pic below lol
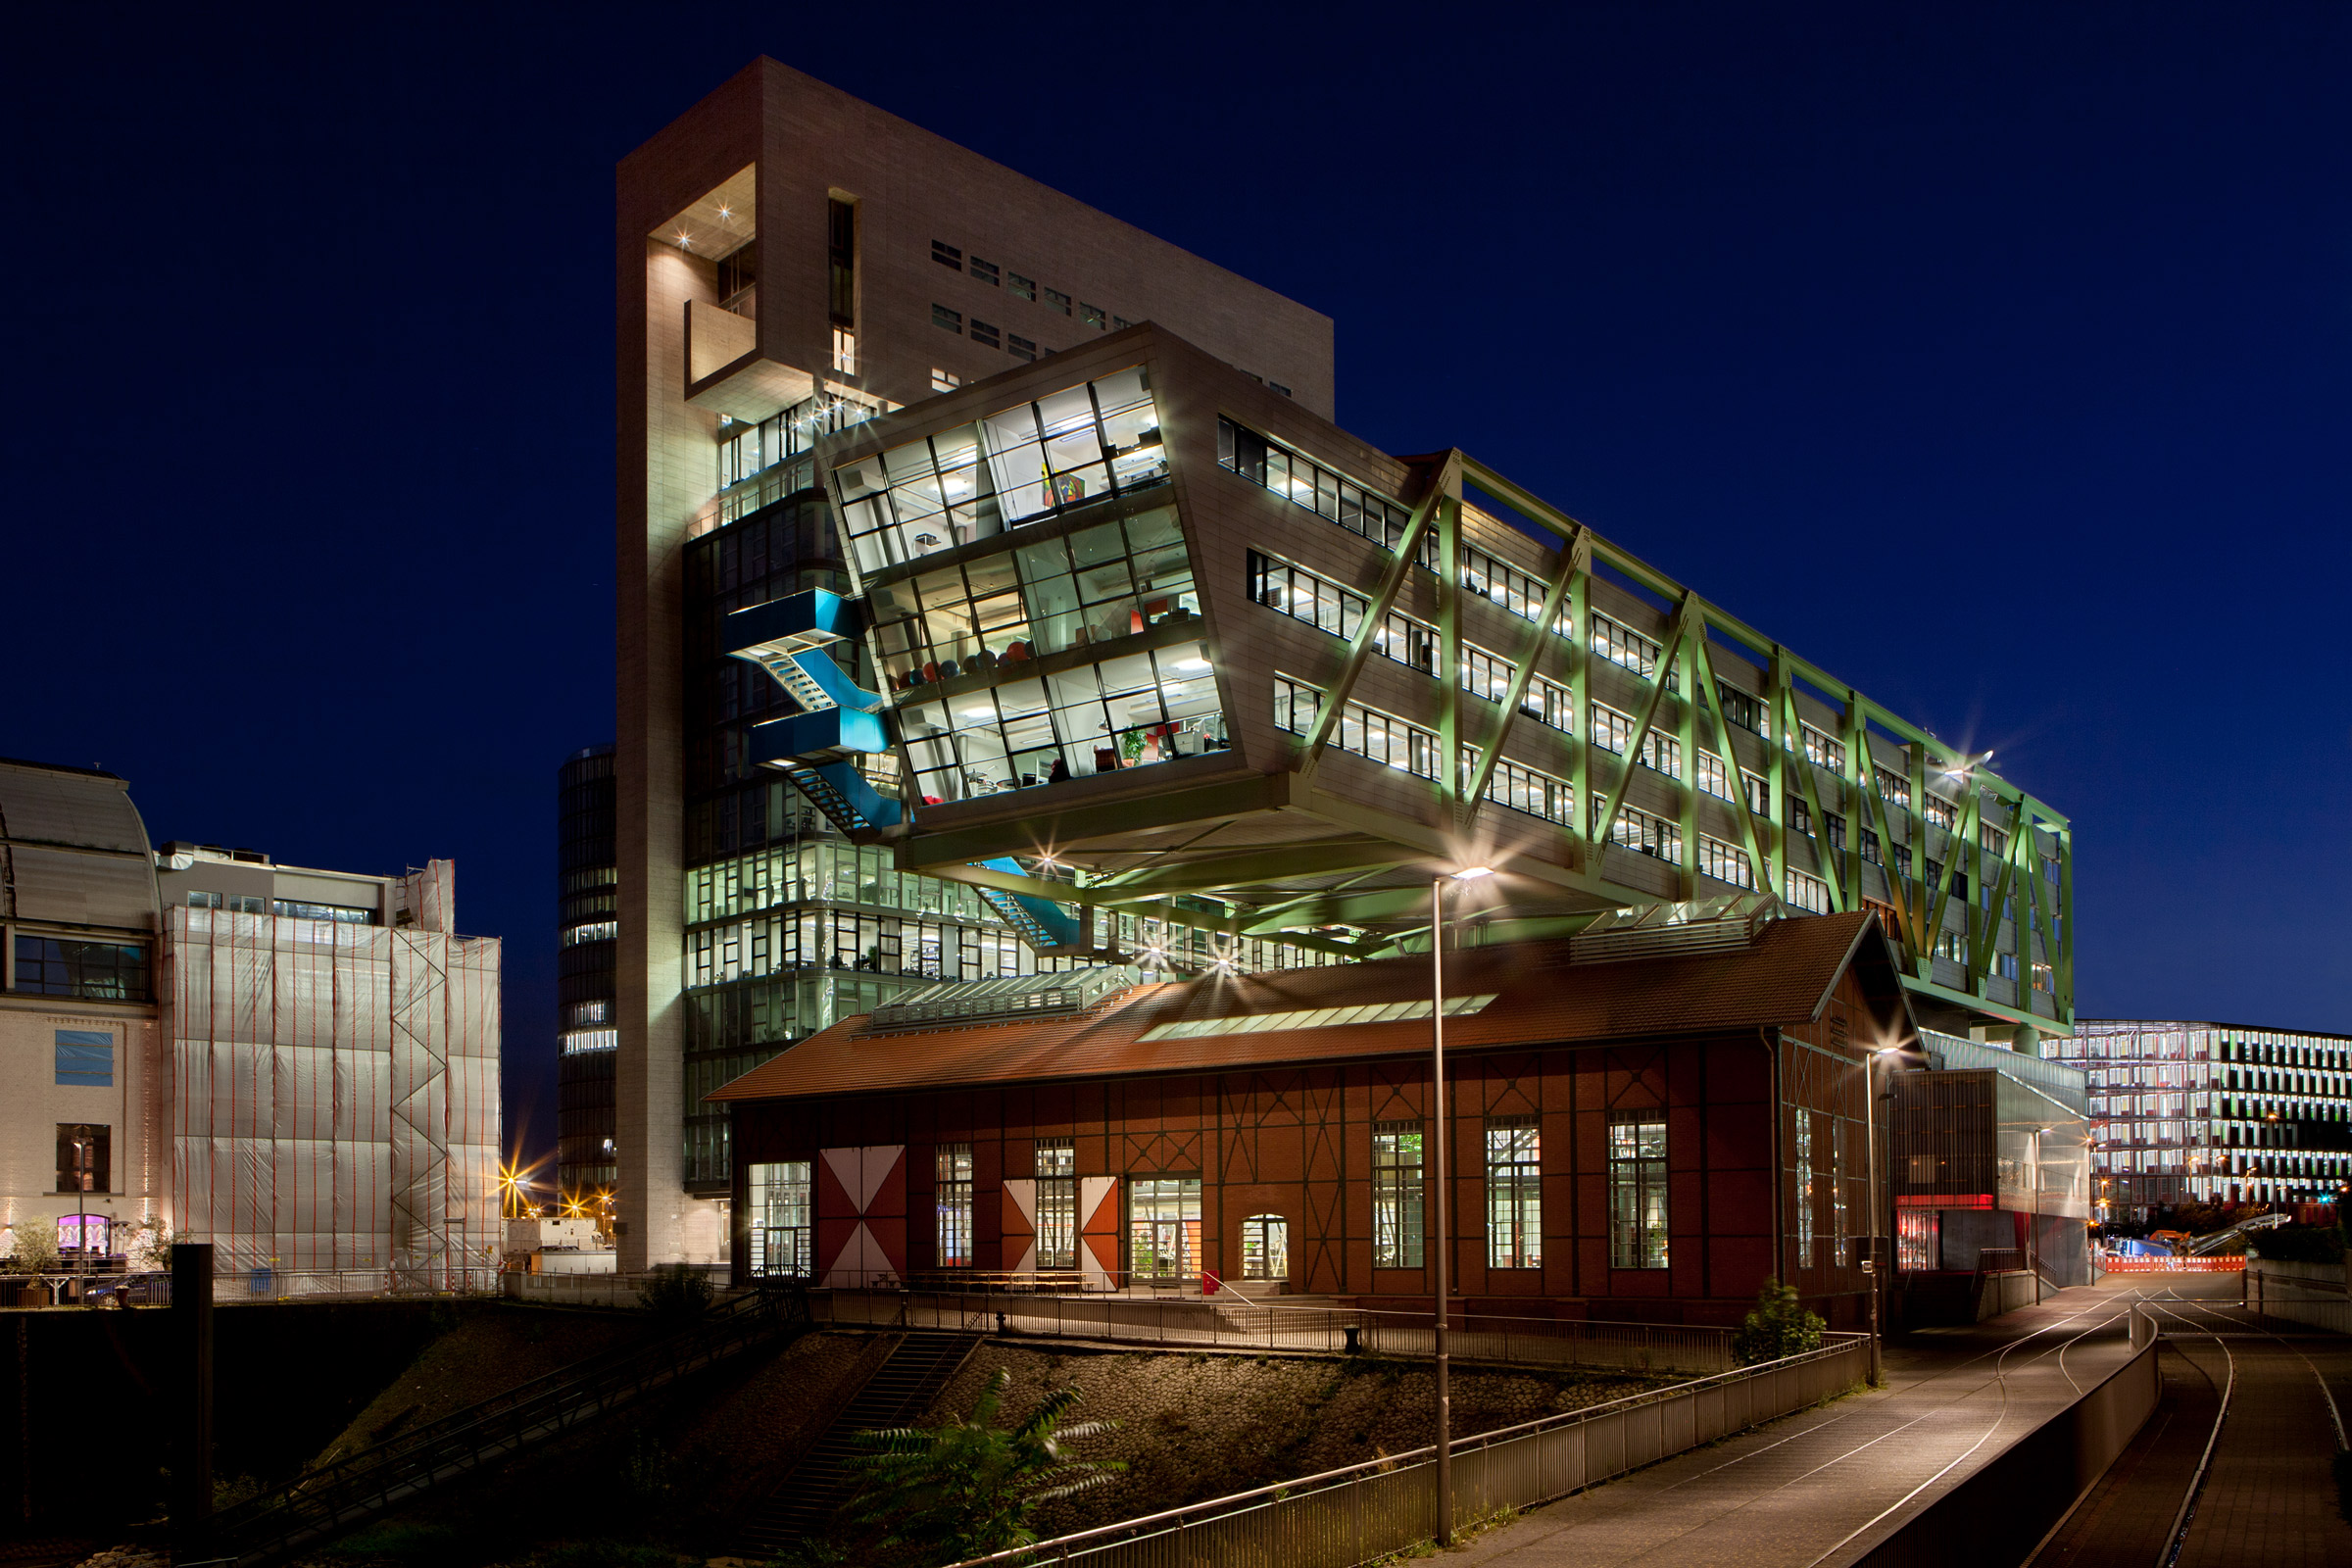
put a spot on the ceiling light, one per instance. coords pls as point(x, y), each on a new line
point(1471, 873)
point(726, 212)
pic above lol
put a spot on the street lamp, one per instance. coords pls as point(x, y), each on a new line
point(1870, 1148)
point(1437, 1037)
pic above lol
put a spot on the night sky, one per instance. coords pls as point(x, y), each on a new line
point(1994, 359)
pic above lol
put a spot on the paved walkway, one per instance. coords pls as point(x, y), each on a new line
point(2270, 1495)
point(1812, 1488)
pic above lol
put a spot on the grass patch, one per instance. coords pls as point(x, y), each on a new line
point(399, 1538)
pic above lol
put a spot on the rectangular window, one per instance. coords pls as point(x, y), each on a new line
point(1952, 944)
point(1368, 732)
point(1740, 708)
point(1805, 1230)
point(984, 333)
point(1713, 778)
point(1638, 1193)
point(1524, 789)
point(951, 1166)
point(83, 1158)
point(1328, 607)
point(1808, 892)
point(1622, 645)
point(1021, 289)
point(1055, 300)
point(341, 914)
point(1894, 787)
point(944, 253)
point(1644, 833)
point(1823, 752)
point(1277, 386)
point(1094, 315)
point(945, 380)
point(783, 1237)
point(1724, 862)
point(1056, 1203)
point(85, 1059)
point(1514, 1193)
point(1397, 1191)
point(103, 972)
point(985, 271)
point(1019, 347)
point(1120, 323)
point(1942, 812)
point(1318, 489)
point(841, 262)
point(941, 316)
point(1499, 582)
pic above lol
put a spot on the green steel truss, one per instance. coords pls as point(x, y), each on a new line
point(1365, 892)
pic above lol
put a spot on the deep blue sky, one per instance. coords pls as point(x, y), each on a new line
point(1994, 357)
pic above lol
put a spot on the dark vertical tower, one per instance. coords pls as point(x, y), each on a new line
point(586, 893)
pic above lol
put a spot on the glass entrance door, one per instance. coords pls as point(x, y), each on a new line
point(1163, 1227)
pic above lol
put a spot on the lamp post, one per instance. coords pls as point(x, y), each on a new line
point(1437, 1079)
point(1875, 1266)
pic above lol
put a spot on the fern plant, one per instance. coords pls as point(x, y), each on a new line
point(970, 1487)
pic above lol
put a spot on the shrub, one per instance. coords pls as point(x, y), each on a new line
point(678, 1294)
point(1777, 1326)
point(35, 1250)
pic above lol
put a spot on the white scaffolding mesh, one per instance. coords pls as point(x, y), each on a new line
point(335, 1094)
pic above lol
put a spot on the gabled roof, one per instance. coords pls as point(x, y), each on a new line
point(1784, 977)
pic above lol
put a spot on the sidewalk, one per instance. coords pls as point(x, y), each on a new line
point(1820, 1486)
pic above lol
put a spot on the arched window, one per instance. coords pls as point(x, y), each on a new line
point(1265, 1248)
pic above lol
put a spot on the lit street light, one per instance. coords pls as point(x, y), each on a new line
point(1436, 1035)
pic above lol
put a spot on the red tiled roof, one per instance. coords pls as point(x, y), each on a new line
point(1785, 976)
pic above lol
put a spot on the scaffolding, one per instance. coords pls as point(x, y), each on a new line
point(334, 1093)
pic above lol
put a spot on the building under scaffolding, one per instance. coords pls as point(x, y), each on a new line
point(332, 1080)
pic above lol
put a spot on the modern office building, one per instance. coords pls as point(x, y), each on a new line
point(792, 260)
point(2202, 1113)
point(986, 538)
point(299, 1066)
point(1640, 1125)
point(587, 903)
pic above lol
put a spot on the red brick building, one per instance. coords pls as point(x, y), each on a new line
point(1643, 1125)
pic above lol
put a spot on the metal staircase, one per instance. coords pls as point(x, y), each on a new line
point(331, 1501)
point(901, 1389)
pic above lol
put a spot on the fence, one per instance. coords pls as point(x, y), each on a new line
point(2310, 1294)
point(2173, 1265)
point(1341, 1518)
point(1248, 1326)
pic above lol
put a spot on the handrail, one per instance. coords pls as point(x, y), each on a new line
point(1326, 1480)
point(378, 1476)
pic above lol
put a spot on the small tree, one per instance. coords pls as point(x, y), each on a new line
point(678, 1294)
point(146, 1245)
point(35, 1250)
point(1777, 1326)
point(968, 1488)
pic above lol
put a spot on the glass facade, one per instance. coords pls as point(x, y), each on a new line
point(1163, 1227)
point(782, 1220)
point(1053, 636)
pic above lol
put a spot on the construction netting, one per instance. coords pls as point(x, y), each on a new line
point(334, 1090)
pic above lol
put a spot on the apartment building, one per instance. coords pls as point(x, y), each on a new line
point(792, 262)
point(2203, 1112)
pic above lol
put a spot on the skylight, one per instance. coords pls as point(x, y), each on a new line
point(1260, 1024)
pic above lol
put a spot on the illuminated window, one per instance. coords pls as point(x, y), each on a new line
point(1823, 752)
point(1318, 489)
point(782, 1220)
point(945, 380)
point(1637, 1192)
point(1741, 709)
point(1514, 1193)
point(1397, 1190)
point(1328, 607)
point(1808, 892)
point(1726, 863)
point(1804, 1189)
point(1524, 789)
point(84, 1162)
point(1266, 1247)
point(1499, 582)
point(1056, 1203)
point(1622, 645)
point(1638, 831)
point(952, 1169)
point(845, 350)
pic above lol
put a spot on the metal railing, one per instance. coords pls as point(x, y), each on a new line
point(1344, 1517)
point(335, 1497)
point(2173, 1265)
point(243, 1286)
point(1242, 1325)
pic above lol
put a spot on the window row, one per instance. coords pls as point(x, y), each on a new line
point(985, 333)
point(1309, 484)
point(846, 941)
point(998, 612)
point(1131, 711)
point(1013, 283)
point(1327, 607)
point(1077, 446)
point(1546, 700)
point(826, 871)
point(1163, 1212)
point(1611, 731)
point(63, 966)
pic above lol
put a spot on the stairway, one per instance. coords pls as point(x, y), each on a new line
point(900, 1390)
